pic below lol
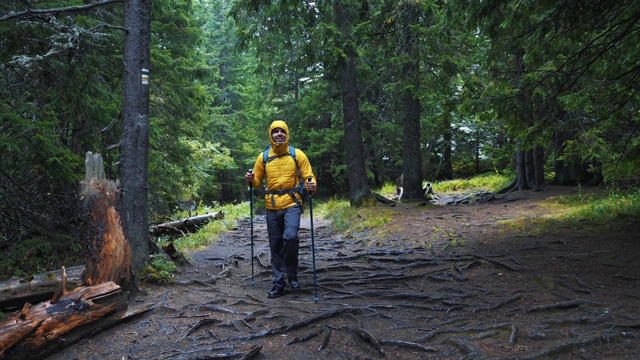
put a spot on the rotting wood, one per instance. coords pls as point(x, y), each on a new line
point(183, 226)
point(108, 252)
point(49, 325)
point(34, 289)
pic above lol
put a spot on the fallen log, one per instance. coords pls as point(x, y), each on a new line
point(184, 226)
point(34, 289)
point(43, 328)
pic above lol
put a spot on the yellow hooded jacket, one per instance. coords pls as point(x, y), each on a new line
point(281, 172)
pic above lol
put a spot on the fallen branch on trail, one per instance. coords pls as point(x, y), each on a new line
point(41, 287)
point(561, 305)
point(40, 329)
point(184, 226)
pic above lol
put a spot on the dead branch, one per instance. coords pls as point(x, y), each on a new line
point(67, 9)
point(408, 344)
point(513, 338)
point(179, 227)
point(467, 329)
point(198, 325)
point(562, 305)
point(500, 263)
point(303, 338)
point(500, 304)
point(284, 328)
point(367, 337)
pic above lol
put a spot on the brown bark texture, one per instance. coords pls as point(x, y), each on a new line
point(108, 253)
point(45, 327)
point(37, 288)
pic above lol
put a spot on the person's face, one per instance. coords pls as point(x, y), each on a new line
point(279, 136)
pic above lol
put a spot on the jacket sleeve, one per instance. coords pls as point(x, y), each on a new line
point(305, 168)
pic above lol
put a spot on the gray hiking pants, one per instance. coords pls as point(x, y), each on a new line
point(282, 227)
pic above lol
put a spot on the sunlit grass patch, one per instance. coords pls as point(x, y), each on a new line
point(490, 182)
point(604, 209)
point(347, 220)
point(210, 232)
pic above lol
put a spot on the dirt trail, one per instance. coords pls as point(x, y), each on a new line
point(437, 283)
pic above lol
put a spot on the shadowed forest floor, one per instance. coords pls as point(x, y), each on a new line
point(437, 282)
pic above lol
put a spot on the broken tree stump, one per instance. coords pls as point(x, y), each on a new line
point(108, 252)
point(43, 328)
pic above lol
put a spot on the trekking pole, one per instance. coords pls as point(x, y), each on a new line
point(313, 247)
point(251, 217)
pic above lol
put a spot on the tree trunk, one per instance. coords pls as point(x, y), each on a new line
point(521, 170)
point(411, 168)
point(359, 191)
point(447, 157)
point(134, 144)
point(539, 168)
point(530, 169)
point(108, 253)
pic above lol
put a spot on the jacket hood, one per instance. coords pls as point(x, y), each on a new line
point(278, 148)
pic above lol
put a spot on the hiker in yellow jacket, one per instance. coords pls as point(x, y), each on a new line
point(287, 171)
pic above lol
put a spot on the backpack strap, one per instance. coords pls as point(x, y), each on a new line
point(299, 189)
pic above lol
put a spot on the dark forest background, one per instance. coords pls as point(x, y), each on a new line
point(371, 90)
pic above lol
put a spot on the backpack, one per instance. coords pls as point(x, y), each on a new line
point(300, 189)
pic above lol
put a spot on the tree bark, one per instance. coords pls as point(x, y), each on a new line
point(43, 328)
point(411, 166)
point(359, 192)
point(108, 253)
point(135, 130)
point(538, 156)
point(38, 288)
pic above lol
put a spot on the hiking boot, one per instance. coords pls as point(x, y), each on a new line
point(277, 291)
point(295, 285)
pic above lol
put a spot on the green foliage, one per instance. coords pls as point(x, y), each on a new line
point(490, 182)
point(608, 208)
point(347, 219)
point(211, 231)
point(37, 255)
point(159, 271)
